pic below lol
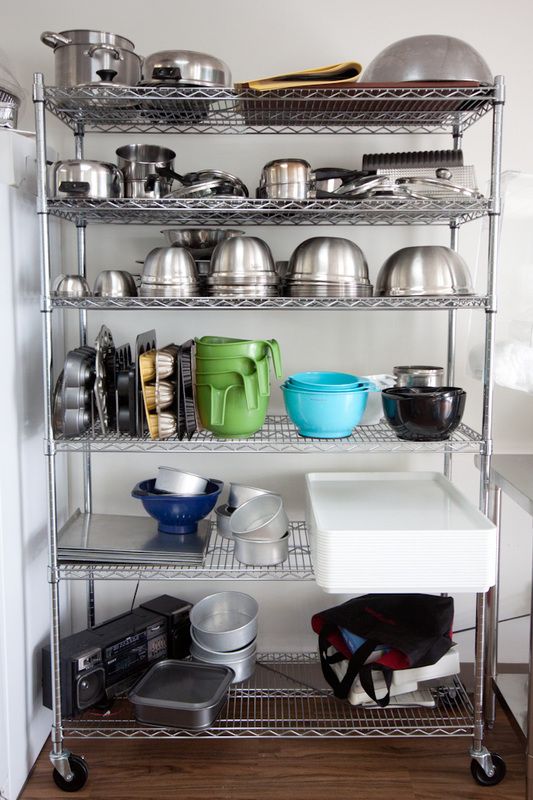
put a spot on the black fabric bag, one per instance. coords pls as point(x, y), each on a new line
point(417, 629)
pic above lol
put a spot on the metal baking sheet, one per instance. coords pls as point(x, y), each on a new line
point(134, 540)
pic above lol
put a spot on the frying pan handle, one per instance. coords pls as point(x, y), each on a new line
point(276, 357)
point(166, 172)
point(326, 173)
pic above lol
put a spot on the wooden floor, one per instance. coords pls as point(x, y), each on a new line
point(244, 769)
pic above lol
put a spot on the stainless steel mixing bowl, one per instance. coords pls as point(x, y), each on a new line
point(168, 266)
point(431, 57)
point(328, 259)
point(430, 270)
point(115, 283)
point(242, 260)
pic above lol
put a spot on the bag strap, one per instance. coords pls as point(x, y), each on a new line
point(341, 688)
point(367, 682)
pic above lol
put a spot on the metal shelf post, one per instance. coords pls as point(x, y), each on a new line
point(59, 755)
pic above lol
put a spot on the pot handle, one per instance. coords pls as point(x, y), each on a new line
point(276, 357)
point(166, 73)
point(166, 172)
point(108, 48)
point(52, 40)
point(74, 187)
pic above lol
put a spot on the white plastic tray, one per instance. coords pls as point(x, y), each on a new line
point(397, 532)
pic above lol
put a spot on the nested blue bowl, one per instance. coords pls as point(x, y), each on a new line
point(177, 513)
point(325, 381)
point(324, 415)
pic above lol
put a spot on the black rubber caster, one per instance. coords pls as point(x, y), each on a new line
point(481, 777)
point(80, 774)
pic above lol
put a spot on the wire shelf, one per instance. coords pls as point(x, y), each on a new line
point(278, 435)
point(287, 697)
point(220, 563)
point(271, 303)
point(250, 211)
point(155, 109)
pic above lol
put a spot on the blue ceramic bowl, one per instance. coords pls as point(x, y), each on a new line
point(177, 513)
point(324, 415)
point(325, 381)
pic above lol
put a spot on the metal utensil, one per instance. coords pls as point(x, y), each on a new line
point(187, 68)
point(239, 494)
point(73, 286)
point(424, 270)
point(115, 283)
point(141, 165)
point(418, 376)
point(241, 661)
point(225, 621)
point(430, 57)
point(223, 514)
point(168, 266)
point(181, 694)
point(200, 241)
point(242, 260)
point(328, 259)
point(82, 178)
point(261, 518)
point(80, 54)
point(261, 554)
point(176, 481)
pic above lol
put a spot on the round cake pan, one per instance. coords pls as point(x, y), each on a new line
point(239, 494)
point(223, 515)
point(241, 661)
point(177, 482)
point(261, 554)
point(225, 621)
point(262, 519)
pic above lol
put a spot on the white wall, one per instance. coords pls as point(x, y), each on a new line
point(259, 40)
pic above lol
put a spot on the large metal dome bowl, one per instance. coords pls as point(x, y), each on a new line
point(431, 57)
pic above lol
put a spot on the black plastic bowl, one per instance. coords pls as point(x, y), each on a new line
point(424, 413)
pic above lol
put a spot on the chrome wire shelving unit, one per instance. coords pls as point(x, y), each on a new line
point(219, 562)
point(247, 211)
point(278, 435)
point(151, 109)
point(272, 303)
point(287, 695)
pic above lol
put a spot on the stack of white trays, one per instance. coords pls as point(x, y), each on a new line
point(397, 532)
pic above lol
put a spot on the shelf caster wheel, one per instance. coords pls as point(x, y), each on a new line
point(481, 777)
point(80, 773)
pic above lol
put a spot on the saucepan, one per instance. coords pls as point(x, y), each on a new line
point(294, 179)
point(82, 178)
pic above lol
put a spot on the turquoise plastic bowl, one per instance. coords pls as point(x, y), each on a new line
point(325, 381)
point(324, 415)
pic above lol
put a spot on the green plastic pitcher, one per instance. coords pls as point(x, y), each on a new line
point(244, 366)
point(221, 347)
point(225, 412)
point(220, 381)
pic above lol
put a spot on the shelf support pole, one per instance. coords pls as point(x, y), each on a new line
point(81, 231)
point(491, 653)
point(59, 755)
point(452, 314)
point(482, 622)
